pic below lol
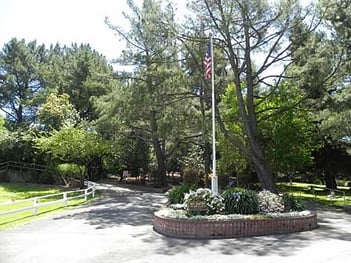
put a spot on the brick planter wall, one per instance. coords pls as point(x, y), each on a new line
point(188, 228)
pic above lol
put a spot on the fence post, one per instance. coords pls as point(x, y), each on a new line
point(94, 186)
point(86, 195)
point(35, 206)
point(65, 199)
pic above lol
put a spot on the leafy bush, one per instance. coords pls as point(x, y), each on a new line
point(190, 176)
point(240, 201)
point(292, 203)
point(247, 179)
point(270, 202)
point(214, 203)
point(176, 194)
point(42, 178)
point(223, 180)
point(69, 171)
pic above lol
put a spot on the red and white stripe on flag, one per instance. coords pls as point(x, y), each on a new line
point(208, 62)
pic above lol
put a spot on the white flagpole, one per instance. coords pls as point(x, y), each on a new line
point(214, 180)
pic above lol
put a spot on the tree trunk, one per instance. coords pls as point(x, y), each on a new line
point(260, 163)
point(249, 117)
point(160, 158)
point(160, 155)
point(264, 174)
point(330, 181)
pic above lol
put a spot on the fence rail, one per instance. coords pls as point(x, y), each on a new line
point(333, 194)
point(36, 204)
point(22, 166)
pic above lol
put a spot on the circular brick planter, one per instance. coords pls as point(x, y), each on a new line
point(190, 228)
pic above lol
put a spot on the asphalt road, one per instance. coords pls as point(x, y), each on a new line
point(118, 228)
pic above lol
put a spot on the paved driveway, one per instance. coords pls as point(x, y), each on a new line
point(118, 228)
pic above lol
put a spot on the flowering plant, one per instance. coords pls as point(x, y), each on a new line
point(269, 202)
point(213, 204)
point(181, 214)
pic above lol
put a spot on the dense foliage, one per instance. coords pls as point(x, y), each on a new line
point(176, 194)
point(201, 201)
point(269, 202)
point(282, 77)
point(213, 204)
point(292, 203)
point(240, 201)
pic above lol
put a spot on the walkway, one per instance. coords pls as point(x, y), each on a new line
point(118, 228)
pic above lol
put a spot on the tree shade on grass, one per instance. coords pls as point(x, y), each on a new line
point(318, 193)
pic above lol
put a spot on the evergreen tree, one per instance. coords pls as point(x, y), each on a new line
point(80, 72)
point(154, 102)
point(243, 31)
point(20, 81)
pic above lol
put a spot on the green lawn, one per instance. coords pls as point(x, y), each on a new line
point(318, 193)
point(13, 193)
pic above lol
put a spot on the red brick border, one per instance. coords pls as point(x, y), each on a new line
point(190, 228)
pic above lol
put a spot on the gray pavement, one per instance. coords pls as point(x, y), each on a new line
point(118, 228)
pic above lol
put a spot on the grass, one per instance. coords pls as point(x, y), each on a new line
point(318, 193)
point(13, 193)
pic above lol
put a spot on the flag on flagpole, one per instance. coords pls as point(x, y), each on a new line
point(208, 62)
point(209, 74)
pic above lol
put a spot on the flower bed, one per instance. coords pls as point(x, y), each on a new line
point(236, 212)
point(171, 223)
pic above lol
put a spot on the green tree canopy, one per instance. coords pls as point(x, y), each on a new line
point(72, 145)
point(57, 111)
point(20, 81)
point(80, 72)
point(243, 31)
point(155, 103)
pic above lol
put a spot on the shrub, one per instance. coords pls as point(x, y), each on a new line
point(69, 171)
point(292, 203)
point(42, 177)
point(223, 180)
point(247, 180)
point(214, 203)
point(240, 201)
point(190, 176)
point(176, 194)
point(269, 202)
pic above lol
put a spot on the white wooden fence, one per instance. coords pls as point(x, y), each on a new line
point(36, 204)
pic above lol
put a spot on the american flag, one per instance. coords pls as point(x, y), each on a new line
point(208, 62)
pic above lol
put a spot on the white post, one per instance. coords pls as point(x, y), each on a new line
point(94, 186)
point(35, 206)
point(65, 199)
point(86, 195)
point(214, 180)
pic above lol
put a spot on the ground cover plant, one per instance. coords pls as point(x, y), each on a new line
point(12, 193)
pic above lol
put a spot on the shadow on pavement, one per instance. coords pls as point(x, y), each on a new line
point(332, 225)
point(116, 208)
point(120, 207)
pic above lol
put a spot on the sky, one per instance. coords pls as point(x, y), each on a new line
point(64, 22)
point(68, 21)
